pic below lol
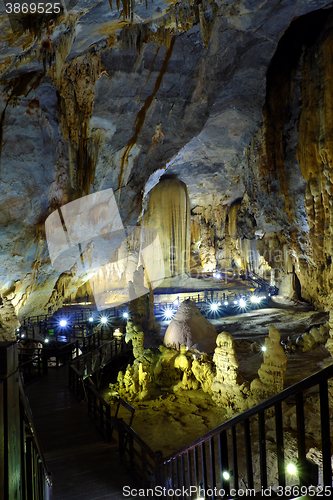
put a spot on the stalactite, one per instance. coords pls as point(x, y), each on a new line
point(77, 106)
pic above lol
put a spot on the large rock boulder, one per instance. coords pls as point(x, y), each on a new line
point(188, 327)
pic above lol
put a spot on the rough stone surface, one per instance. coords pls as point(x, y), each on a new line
point(189, 328)
point(217, 94)
point(229, 390)
point(272, 370)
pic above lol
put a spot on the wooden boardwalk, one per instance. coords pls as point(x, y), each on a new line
point(83, 465)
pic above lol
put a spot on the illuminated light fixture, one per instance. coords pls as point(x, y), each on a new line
point(219, 303)
point(104, 320)
point(218, 276)
point(264, 348)
point(264, 297)
point(168, 313)
point(235, 301)
point(226, 303)
point(214, 306)
point(46, 341)
point(22, 335)
point(255, 299)
point(226, 475)
point(242, 303)
point(17, 329)
point(91, 319)
point(125, 315)
point(291, 469)
point(63, 323)
point(117, 332)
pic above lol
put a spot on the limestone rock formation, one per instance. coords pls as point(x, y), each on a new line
point(227, 387)
point(168, 213)
point(189, 328)
point(135, 335)
point(272, 370)
point(329, 343)
point(313, 338)
point(94, 98)
point(204, 372)
point(8, 320)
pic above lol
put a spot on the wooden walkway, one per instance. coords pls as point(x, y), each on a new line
point(83, 465)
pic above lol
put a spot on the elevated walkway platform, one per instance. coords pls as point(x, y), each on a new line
point(83, 465)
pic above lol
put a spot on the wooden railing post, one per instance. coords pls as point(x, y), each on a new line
point(10, 444)
point(121, 438)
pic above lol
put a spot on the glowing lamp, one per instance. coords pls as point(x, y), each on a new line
point(168, 313)
point(226, 475)
point(125, 315)
point(291, 469)
point(226, 303)
point(104, 320)
point(235, 301)
point(264, 348)
point(218, 276)
point(63, 323)
point(22, 335)
point(91, 319)
point(242, 303)
point(17, 329)
point(46, 341)
point(214, 306)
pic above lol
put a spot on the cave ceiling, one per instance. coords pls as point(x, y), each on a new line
point(117, 94)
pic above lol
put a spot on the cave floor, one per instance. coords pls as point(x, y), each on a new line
point(187, 415)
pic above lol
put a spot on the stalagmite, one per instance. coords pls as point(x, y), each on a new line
point(188, 327)
point(169, 214)
point(273, 369)
point(227, 387)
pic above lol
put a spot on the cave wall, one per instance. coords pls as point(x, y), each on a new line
point(103, 98)
point(287, 180)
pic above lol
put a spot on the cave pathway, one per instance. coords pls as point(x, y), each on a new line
point(83, 465)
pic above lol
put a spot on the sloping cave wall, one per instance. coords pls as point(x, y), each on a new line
point(104, 99)
point(288, 180)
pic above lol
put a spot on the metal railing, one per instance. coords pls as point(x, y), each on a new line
point(36, 483)
point(144, 463)
point(33, 362)
point(100, 411)
point(231, 447)
point(92, 361)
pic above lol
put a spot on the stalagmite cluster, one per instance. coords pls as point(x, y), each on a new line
point(273, 369)
point(227, 387)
